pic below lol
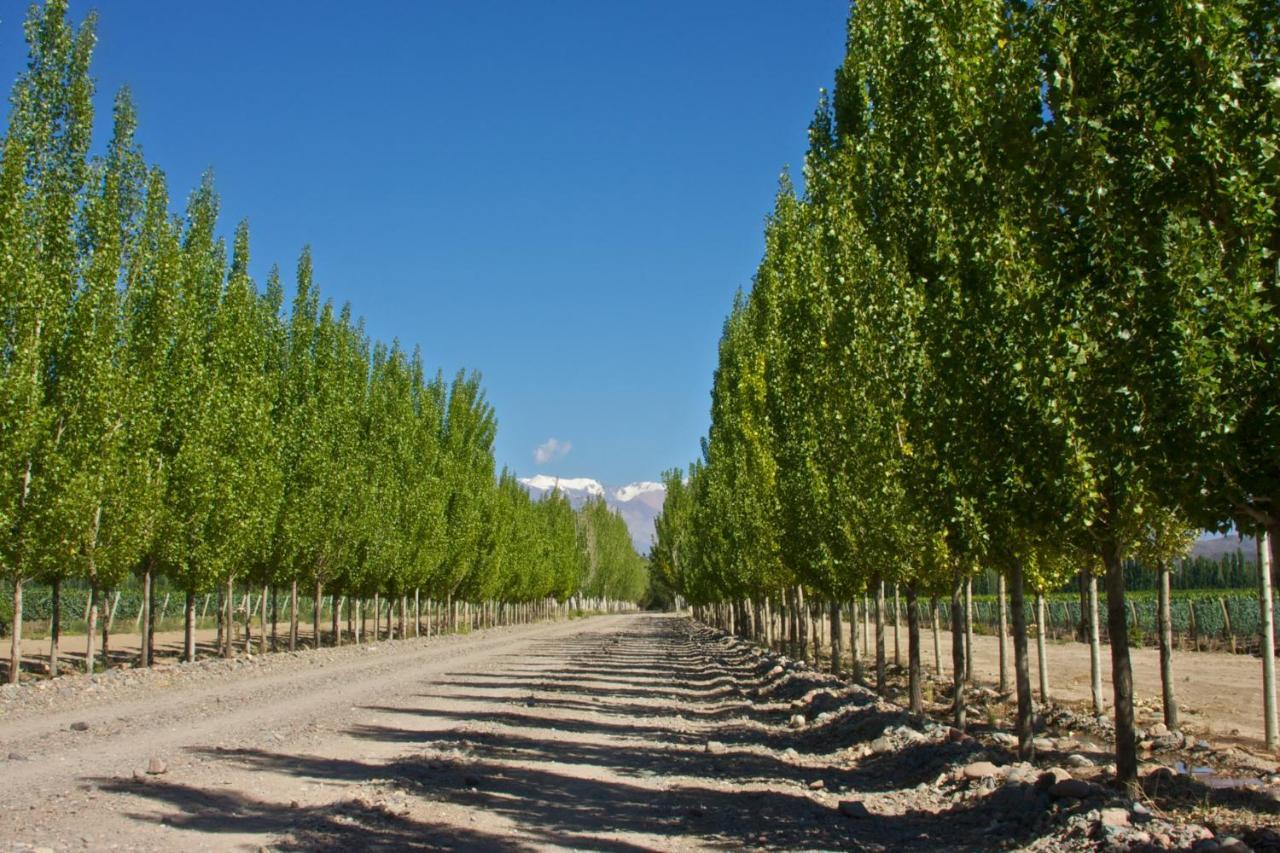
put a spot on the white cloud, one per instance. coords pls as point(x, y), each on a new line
point(552, 448)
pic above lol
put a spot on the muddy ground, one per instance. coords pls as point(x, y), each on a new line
point(621, 733)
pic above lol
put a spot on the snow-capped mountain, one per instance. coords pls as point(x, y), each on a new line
point(637, 503)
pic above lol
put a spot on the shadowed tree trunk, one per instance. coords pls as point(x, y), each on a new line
point(15, 636)
point(880, 650)
point(1003, 627)
point(913, 652)
point(937, 635)
point(91, 629)
point(55, 627)
point(293, 616)
point(144, 645)
point(1166, 648)
point(1040, 659)
point(1021, 666)
point(958, 675)
point(1121, 668)
point(837, 642)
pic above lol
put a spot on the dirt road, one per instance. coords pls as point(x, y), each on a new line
point(613, 733)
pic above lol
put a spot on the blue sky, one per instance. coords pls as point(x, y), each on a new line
point(562, 195)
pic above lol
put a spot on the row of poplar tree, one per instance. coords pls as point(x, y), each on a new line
point(159, 415)
point(1024, 316)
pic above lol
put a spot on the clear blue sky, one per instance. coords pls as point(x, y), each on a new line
point(562, 195)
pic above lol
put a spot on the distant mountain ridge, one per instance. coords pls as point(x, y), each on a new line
point(638, 503)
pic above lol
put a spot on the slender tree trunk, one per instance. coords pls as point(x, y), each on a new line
point(968, 629)
point(15, 639)
point(1121, 669)
point(1166, 648)
point(897, 620)
point(91, 629)
point(1095, 645)
point(837, 642)
point(957, 650)
point(1266, 556)
point(107, 618)
point(404, 605)
point(293, 616)
point(335, 621)
point(1021, 666)
point(316, 604)
point(229, 618)
point(377, 617)
point(189, 628)
point(55, 629)
point(1003, 627)
point(881, 684)
point(914, 689)
point(151, 620)
point(144, 648)
point(262, 622)
point(937, 635)
point(853, 639)
point(803, 629)
point(417, 614)
point(1040, 659)
point(275, 614)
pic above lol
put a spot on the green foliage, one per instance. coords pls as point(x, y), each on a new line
point(159, 413)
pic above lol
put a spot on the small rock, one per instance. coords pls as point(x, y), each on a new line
point(157, 767)
point(1078, 760)
point(714, 747)
point(798, 721)
point(80, 727)
point(1231, 844)
point(1042, 744)
point(139, 776)
point(1114, 817)
point(293, 804)
point(817, 785)
point(1077, 788)
point(18, 756)
point(775, 672)
point(1005, 739)
point(982, 770)
point(881, 745)
point(853, 809)
point(1158, 730)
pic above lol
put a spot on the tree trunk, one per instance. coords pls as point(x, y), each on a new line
point(317, 604)
point(897, 620)
point(15, 639)
point(417, 614)
point(262, 622)
point(1266, 555)
point(335, 620)
point(1043, 665)
point(803, 629)
point(881, 686)
point(837, 642)
point(1095, 645)
point(275, 614)
point(1021, 666)
point(107, 618)
point(151, 619)
point(914, 690)
point(229, 618)
point(1166, 647)
point(1121, 669)
point(293, 616)
point(937, 634)
point(377, 617)
point(189, 628)
point(144, 648)
point(91, 629)
point(55, 628)
point(853, 639)
point(968, 629)
point(958, 675)
point(1003, 627)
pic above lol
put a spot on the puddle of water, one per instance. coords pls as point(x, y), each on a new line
point(1207, 777)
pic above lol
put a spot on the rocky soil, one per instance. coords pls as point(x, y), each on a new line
point(614, 733)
